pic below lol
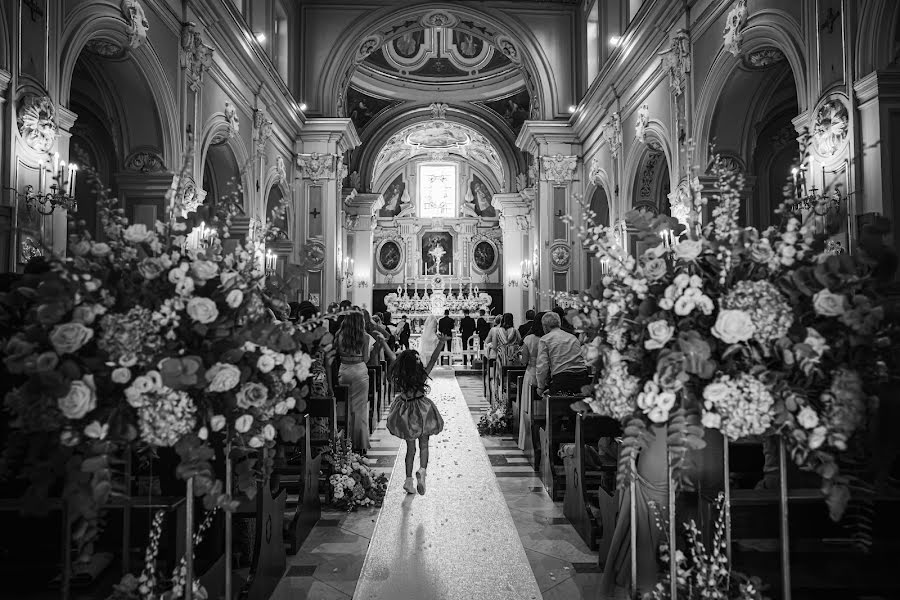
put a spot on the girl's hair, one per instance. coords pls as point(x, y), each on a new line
point(351, 337)
point(537, 328)
point(497, 320)
point(408, 374)
point(507, 321)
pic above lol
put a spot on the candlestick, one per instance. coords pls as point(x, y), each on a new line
point(55, 162)
point(41, 177)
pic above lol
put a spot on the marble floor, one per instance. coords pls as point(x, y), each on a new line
point(329, 563)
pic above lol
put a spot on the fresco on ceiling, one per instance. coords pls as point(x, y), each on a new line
point(393, 197)
point(362, 108)
point(482, 197)
point(514, 110)
point(408, 44)
point(469, 46)
point(438, 137)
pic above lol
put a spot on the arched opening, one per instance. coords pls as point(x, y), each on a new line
point(652, 184)
point(753, 127)
point(222, 178)
point(599, 210)
point(276, 212)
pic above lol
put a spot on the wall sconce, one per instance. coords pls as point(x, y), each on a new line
point(527, 273)
point(513, 283)
point(346, 273)
point(62, 190)
point(362, 283)
point(271, 263)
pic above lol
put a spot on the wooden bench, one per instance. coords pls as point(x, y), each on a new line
point(534, 418)
point(342, 409)
point(299, 477)
point(509, 374)
point(558, 428)
point(590, 502)
point(373, 398)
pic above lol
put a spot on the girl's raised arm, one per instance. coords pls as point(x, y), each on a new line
point(442, 342)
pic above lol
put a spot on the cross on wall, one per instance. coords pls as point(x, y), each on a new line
point(315, 213)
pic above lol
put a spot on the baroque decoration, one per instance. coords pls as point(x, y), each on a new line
point(195, 56)
point(280, 170)
point(104, 48)
point(612, 133)
point(231, 117)
point(560, 255)
point(316, 166)
point(764, 58)
point(438, 110)
point(643, 121)
point(559, 168)
point(36, 120)
point(681, 200)
point(677, 61)
point(830, 127)
point(315, 254)
point(734, 25)
point(145, 162)
point(137, 22)
point(263, 127)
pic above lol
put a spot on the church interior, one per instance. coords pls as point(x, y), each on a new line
point(227, 224)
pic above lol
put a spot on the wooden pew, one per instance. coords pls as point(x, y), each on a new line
point(534, 419)
point(558, 428)
point(342, 408)
point(590, 501)
point(373, 398)
point(509, 374)
point(299, 477)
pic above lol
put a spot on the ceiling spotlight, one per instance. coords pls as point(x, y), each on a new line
point(260, 37)
point(303, 106)
point(572, 108)
point(614, 41)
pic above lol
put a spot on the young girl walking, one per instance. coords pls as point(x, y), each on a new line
point(413, 416)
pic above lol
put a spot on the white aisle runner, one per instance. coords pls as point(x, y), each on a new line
point(458, 541)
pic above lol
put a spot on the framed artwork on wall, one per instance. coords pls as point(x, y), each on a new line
point(437, 253)
point(389, 256)
point(393, 197)
point(485, 256)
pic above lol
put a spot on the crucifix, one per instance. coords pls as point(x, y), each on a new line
point(827, 24)
point(315, 213)
point(36, 11)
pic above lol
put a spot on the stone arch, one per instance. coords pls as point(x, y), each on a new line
point(4, 42)
point(876, 32)
point(657, 141)
point(341, 65)
point(276, 180)
point(767, 27)
point(89, 21)
point(215, 146)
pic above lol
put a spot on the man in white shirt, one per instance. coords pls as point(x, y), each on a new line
point(560, 364)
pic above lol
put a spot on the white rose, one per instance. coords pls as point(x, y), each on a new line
point(666, 304)
point(268, 432)
point(202, 310)
point(660, 333)
point(204, 270)
point(716, 392)
point(828, 304)
point(281, 408)
point(688, 250)
point(176, 275)
point(815, 341)
point(711, 420)
point(137, 233)
point(807, 418)
point(291, 402)
point(185, 287)
point(665, 400)
point(222, 377)
point(95, 430)
point(243, 423)
point(134, 397)
point(256, 442)
point(817, 437)
point(658, 414)
point(203, 433)
point(265, 363)
point(234, 298)
point(121, 375)
point(733, 326)
point(70, 337)
point(142, 384)
point(80, 399)
point(100, 249)
point(684, 306)
point(217, 423)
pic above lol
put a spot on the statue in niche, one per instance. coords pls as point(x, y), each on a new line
point(483, 200)
point(393, 198)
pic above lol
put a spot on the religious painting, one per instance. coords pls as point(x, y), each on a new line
point(469, 45)
point(514, 110)
point(484, 256)
point(362, 108)
point(437, 253)
point(408, 44)
point(390, 256)
point(393, 197)
point(482, 198)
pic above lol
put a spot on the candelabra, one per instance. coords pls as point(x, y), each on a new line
point(527, 274)
point(271, 263)
point(61, 193)
point(824, 209)
point(346, 274)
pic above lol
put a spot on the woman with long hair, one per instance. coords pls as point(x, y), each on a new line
point(353, 346)
point(529, 359)
point(506, 338)
point(428, 341)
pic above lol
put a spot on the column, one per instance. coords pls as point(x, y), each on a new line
point(556, 149)
point(322, 145)
point(515, 222)
point(363, 208)
point(466, 229)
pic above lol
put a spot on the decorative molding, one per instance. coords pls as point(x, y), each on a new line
point(643, 121)
point(612, 133)
point(316, 167)
point(355, 181)
point(263, 127)
point(735, 22)
point(680, 200)
point(515, 223)
point(367, 47)
point(830, 127)
point(439, 18)
point(594, 173)
point(136, 21)
point(508, 48)
point(191, 197)
point(763, 58)
point(145, 162)
point(559, 168)
point(196, 57)
point(560, 255)
point(677, 61)
point(648, 176)
point(280, 170)
point(315, 254)
point(231, 117)
point(438, 110)
point(36, 119)
point(104, 48)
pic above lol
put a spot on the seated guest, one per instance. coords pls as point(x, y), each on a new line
point(525, 328)
point(529, 360)
point(560, 364)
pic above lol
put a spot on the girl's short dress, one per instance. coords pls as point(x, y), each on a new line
point(411, 418)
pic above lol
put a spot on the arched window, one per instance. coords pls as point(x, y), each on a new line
point(437, 190)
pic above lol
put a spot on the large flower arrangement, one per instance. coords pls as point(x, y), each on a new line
point(729, 328)
point(353, 482)
point(141, 340)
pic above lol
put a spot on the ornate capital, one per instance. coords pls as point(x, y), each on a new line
point(137, 23)
point(734, 27)
point(438, 110)
point(317, 166)
point(36, 119)
point(511, 223)
point(643, 120)
point(559, 168)
point(196, 57)
point(612, 133)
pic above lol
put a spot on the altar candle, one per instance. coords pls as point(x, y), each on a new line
point(74, 176)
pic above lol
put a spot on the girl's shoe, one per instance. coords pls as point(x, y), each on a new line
point(420, 481)
point(409, 486)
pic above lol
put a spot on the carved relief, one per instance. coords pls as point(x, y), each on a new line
point(367, 47)
point(136, 21)
point(560, 255)
point(594, 173)
point(104, 48)
point(830, 127)
point(439, 19)
point(36, 119)
point(764, 58)
point(648, 176)
point(559, 168)
point(196, 57)
point(231, 117)
point(438, 110)
point(643, 120)
point(677, 61)
point(144, 162)
point(191, 197)
point(680, 203)
point(280, 170)
point(316, 166)
point(507, 47)
point(355, 182)
point(263, 127)
point(612, 132)
point(315, 254)
point(734, 25)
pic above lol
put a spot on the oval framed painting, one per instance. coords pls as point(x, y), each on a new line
point(389, 255)
point(485, 255)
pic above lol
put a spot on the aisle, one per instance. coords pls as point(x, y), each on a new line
point(457, 541)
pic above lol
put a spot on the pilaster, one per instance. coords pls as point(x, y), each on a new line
point(362, 212)
point(516, 225)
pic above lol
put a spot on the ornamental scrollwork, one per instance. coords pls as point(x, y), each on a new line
point(280, 170)
point(36, 120)
point(137, 23)
point(196, 57)
point(559, 168)
point(677, 61)
point(263, 127)
point(232, 119)
point(144, 162)
point(643, 121)
point(612, 133)
point(560, 255)
point(734, 25)
point(830, 127)
point(594, 173)
point(316, 166)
